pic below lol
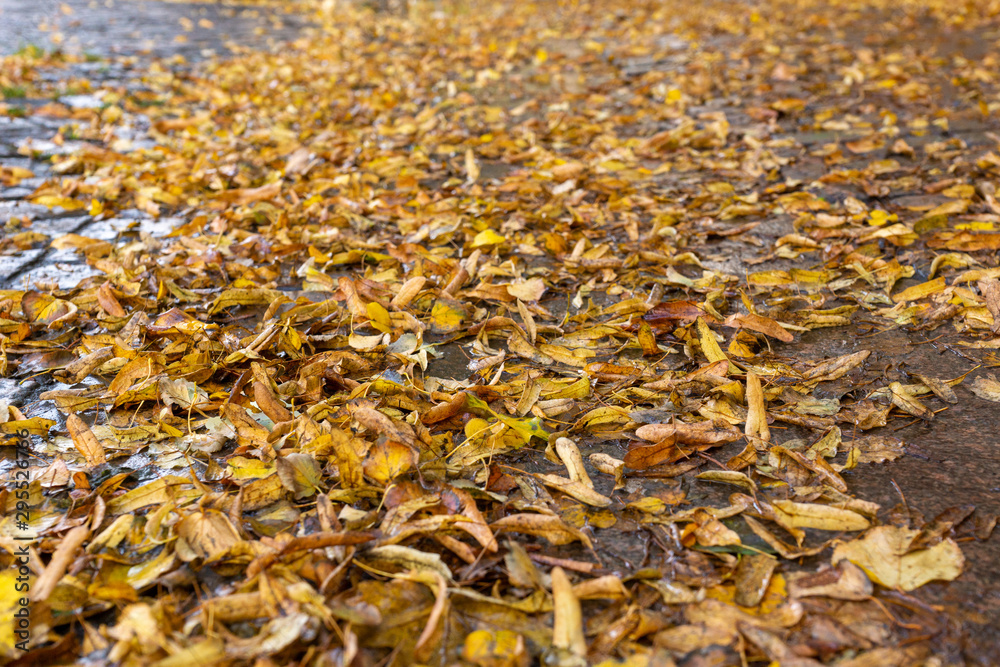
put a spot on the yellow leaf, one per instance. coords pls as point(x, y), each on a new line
point(878, 218)
point(85, 441)
point(756, 424)
point(244, 297)
point(487, 237)
point(898, 234)
point(920, 291)
point(499, 648)
point(884, 554)
point(567, 628)
point(552, 528)
point(157, 492)
point(300, 474)
point(35, 426)
point(525, 428)
point(709, 346)
point(987, 388)
point(47, 309)
point(387, 460)
point(772, 278)
point(446, 318)
point(575, 489)
point(647, 339)
point(953, 207)
point(471, 167)
point(240, 468)
point(379, 317)
point(820, 517)
point(10, 605)
point(648, 505)
point(209, 533)
point(529, 290)
point(52, 201)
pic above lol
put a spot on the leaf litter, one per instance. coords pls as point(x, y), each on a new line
point(610, 243)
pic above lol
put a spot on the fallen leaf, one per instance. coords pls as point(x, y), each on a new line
point(885, 556)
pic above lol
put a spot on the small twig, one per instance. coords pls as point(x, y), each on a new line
point(931, 340)
point(901, 496)
point(895, 621)
point(575, 565)
point(709, 458)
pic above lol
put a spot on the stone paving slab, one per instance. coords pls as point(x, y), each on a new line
point(106, 31)
point(129, 27)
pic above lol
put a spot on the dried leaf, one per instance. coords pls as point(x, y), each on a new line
point(85, 441)
point(884, 553)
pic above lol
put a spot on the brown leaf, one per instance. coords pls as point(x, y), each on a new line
point(209, 534)
point(836, 368)
point(548, 526)
point(444, 411)
point(475, 525)
point(775, 649)
point(83, 366)
point(85, 441)
point(697, 433)
point(902, 399)
point(241, 196)
point(380, 423)
point(761, 324)
point(249, 433)
point(675, 313)
point(269, 404)
point(63, 556)
point(939, 387)
point(641, 457)
point(107, 300)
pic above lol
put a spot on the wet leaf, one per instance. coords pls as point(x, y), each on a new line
point(885, 554)
point(567, 629)
point(499, 648)
point(987, 388)
point(752, 577)
point(820, 517)
point(550, 527)
point(404, 250)
point(85, 440)
point(300, 474)
point(47, 309)
point(387, 460)
point(209, 534)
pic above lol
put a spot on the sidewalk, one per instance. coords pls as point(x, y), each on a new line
point(409, 250)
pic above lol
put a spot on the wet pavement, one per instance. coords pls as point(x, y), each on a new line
point(949, 461)
point(112, 43)
point(104, 28)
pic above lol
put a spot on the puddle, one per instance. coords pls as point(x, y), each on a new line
point(97, 28)
point(63, 275)
point(43, 148)
point(83, 101)
point(140, 223)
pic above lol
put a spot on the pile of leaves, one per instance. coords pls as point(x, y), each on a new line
point(465, 309)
